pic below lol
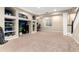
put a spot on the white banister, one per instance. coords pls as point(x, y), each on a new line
point(76, 20)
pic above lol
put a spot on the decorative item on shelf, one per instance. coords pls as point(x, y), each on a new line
point(9, 11)
point(26, 17)
point(9, 27)
point(9, 34)
point(20, 30)
point(34, 17)
point(38, 27)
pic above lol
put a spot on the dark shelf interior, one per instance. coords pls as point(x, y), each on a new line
point(23, 16)
point(9, 11)
point(23, 26)
point(9, 27)
point(34, 17)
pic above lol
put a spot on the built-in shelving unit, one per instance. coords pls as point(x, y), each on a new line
point(33, 25)
point(9, 27)
point(15, 21)
point(23, 24)
point(9, 20)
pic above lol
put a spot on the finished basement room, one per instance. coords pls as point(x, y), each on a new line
point(39, 29)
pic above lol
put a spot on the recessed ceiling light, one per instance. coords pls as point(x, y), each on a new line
point(55, 10)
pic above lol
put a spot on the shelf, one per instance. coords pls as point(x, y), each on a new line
point(10, 17)
point(9, 31)
point(22, 18)
point(10, 37)
point(8, 27)
point(9, 21)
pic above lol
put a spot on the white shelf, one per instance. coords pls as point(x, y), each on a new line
point(24, 19)
point(10, 17)
point(9, 31)
point(9, 27)
point(10, 21)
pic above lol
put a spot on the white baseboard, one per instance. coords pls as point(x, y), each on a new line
point(69, 34)
point(34, 32)
point(75, 40)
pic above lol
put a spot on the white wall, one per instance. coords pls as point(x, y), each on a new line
point(57, 23)
point(65, 18)
point(44, 22)
point(70, 19)
point(2, 17)
point(76, 21)
point(76, 34)
point(76, 29)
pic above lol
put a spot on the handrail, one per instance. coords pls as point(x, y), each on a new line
point(74, 20)
point(75, 15)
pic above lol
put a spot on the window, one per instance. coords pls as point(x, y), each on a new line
point(48, 22)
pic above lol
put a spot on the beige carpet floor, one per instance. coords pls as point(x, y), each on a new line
point(41, 42)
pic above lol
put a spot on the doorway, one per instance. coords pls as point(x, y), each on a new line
point(23, 27)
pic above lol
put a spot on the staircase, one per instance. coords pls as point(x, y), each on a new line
point(75, 26)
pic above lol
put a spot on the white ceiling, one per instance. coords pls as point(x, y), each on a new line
point(43, 10)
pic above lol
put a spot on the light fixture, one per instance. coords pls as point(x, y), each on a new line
point(55, 10)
